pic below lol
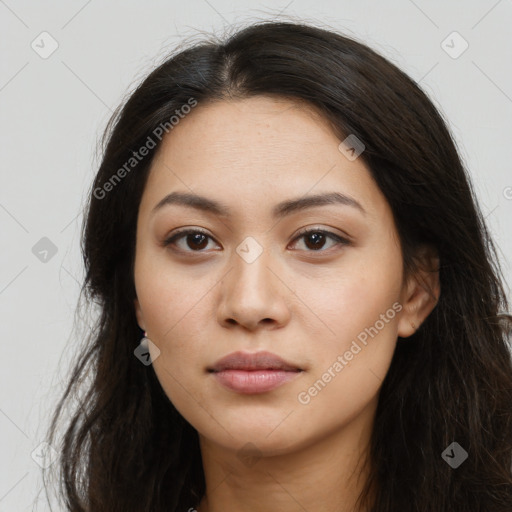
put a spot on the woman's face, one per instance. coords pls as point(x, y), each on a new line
point(330, 303)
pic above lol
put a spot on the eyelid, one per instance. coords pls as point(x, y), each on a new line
point(314, 229)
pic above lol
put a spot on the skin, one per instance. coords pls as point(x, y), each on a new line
point(304, 304)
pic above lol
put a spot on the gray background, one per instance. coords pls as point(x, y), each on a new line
point(54, 109)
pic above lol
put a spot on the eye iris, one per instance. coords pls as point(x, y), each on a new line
point(317, 238)
point(197, 239)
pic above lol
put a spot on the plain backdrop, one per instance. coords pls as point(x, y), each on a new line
point(66, 65)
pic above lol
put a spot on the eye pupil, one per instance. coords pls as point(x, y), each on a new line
point(317, 239)
point(197, 241)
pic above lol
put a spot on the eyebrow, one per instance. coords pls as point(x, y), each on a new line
point(279, 211)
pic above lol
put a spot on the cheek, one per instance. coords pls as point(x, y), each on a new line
point(348, 373)
point(344, 301)
point(171, 306)
point(359, 307)
point(172, 297)
point(180, 368)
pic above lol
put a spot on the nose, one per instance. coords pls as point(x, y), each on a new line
point(254, 294)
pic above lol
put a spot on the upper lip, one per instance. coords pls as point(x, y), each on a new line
point(253, 361)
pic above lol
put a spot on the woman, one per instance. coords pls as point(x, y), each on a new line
point(299, 299)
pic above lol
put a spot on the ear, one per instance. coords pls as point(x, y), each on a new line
point(138, 314)
point(420, 292)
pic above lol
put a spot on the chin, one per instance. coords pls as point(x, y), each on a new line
point(260, 437)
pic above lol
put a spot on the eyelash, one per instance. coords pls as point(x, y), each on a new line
point(188, 231)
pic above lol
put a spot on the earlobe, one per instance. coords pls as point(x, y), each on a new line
point(420, 294)
point(138, 314)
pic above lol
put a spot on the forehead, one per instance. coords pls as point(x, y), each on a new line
point(270, 123)
point(252, 151)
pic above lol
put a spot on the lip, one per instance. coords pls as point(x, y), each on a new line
point(251, 373)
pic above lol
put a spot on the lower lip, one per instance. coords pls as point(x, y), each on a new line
point(254, 381)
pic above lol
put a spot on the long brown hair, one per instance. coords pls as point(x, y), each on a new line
point(126, 448)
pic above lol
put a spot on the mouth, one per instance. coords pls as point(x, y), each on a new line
point(252, 373)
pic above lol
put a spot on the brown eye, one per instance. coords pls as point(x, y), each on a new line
point(315, 239)
point(195, 240)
